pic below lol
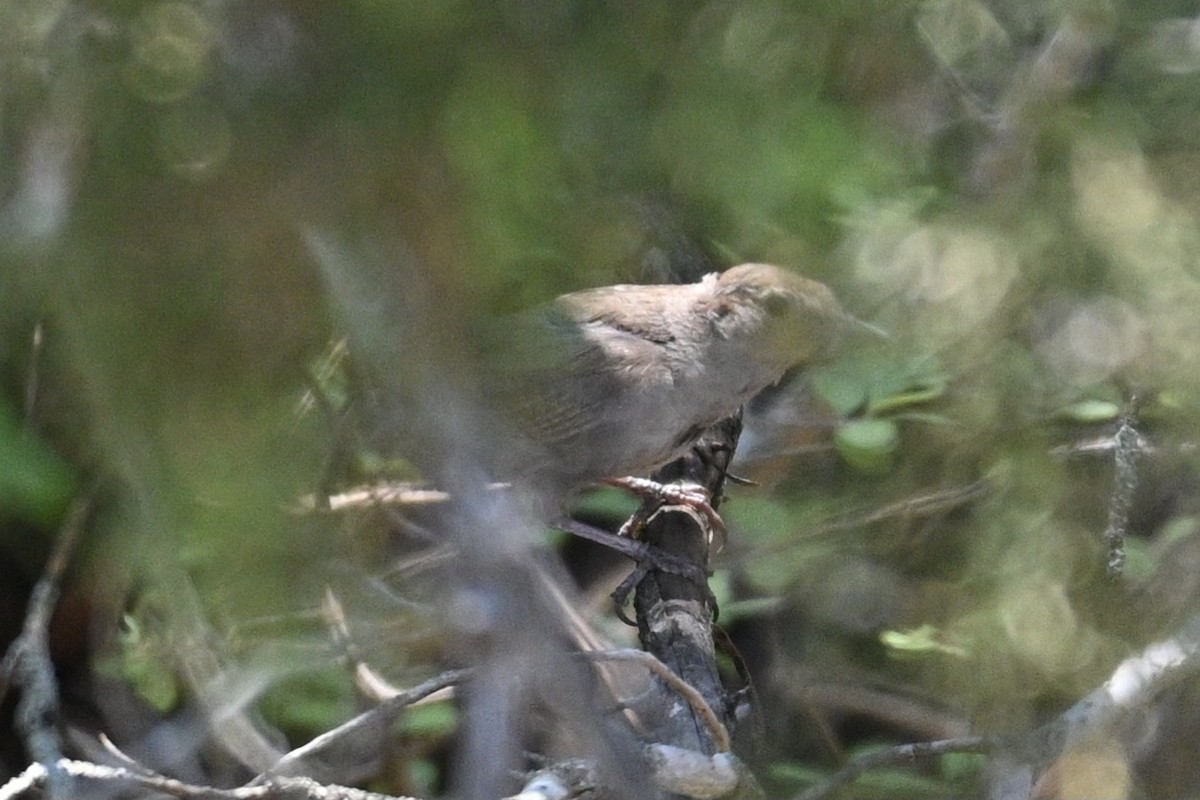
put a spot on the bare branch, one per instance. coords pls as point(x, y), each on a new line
point(27, 663)
point(365, 723)
point(892, 756)
point(35, 777)
point(1126, 449)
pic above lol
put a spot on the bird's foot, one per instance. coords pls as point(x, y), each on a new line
point(655, 495)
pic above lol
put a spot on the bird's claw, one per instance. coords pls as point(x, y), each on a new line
point(690, 496)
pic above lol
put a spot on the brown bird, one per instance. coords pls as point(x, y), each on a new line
point(620, 380)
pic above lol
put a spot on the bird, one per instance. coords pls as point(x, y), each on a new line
point(619, 380)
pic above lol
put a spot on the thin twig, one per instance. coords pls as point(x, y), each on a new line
point(369, 682)
point(222, 692)
point(36, 776)
point(633, 548)
point(1126, 451)
point(32, 383)
point(123, 759)
point(892, 756)
point(938, 501)
point(380, 716)
point(383, 494)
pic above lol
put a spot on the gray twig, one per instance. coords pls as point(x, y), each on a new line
point(378, 717)
point(1127, 447)
point(891, 756)
point(27, 663)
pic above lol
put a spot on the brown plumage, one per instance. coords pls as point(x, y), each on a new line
point(619, 380)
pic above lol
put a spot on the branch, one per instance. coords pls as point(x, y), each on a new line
point(1126, 449)
point(1132, 686)
point(380, 716)
point(35, 777)
point(893, 756)
point(673, 770)
point(27, 663)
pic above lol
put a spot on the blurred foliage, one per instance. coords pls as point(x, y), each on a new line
point(1011, 189)
point(35, 484)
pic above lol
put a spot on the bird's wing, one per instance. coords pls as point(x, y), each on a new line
point(567, 375)
point(614, 307)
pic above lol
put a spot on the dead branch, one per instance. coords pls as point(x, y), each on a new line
point(27, 663)
point(36, 777)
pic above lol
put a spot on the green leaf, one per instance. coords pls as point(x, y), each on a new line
point(920, 640)
point(900, 385)
point(1090, 411)
point(845, 391)
point(431, 719)
point(875, 383)
point(962, 767)
point(308, 702)
point(1140, 561)
point(868, 445)
point(139, 662)
point(743, 609)
point(606, 501)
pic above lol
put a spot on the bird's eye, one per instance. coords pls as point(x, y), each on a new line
point(776, 304)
